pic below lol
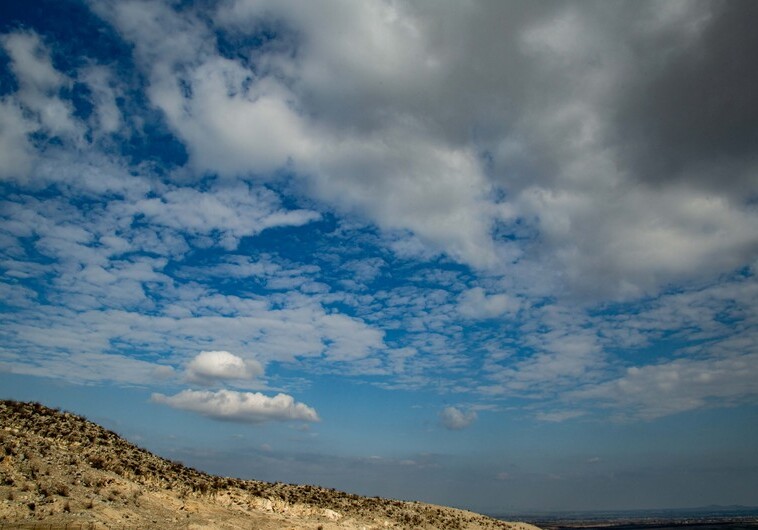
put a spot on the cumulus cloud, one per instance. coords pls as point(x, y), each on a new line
point(454, 419)
point(237, 122)
point(243, 407)
point(447, 148)
point(212, 366)
point(404, 129)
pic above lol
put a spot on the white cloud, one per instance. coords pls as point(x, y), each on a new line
point(403, 128)
point(213, 366)
point(244, 407)
point(627, 242)
point(17, 152)
point(236, 122)
point(454, 419)
point(475, 303)
point(653, 391)
point(101, 83)
point(39, 83)
point(393, 128)
point(510, 163)
point(230, 212)
point(85, 367)
point(31, 62)
point(557, 349)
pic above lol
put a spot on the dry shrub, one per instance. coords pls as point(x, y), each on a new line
point(98, 462)
point(61, 489)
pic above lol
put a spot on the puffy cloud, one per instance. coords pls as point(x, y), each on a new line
point(243, 407)
point(455, 419)
point(237, 122)
point(653, 391)
point(404, 128)
point(627, 242)
point(475, 303)
point(214, 366)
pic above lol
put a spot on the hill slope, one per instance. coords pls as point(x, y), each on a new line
point(58, 468)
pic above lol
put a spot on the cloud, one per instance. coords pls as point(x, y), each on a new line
point(559, 415)
point(226, 212)
point(476, 304)
point(687, 117)
point(243, 407)
point(540, 164)
point(653, 391)
point(557, 350)
point(237, 122)
point(209, 367)
point(39, 83)
point(31, 62)
point(454, 419)
point(103, 85)
point(404, 131)
point(17, 151)
point(405, 163)
point(86, 367)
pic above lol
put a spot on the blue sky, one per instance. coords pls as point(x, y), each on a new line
point(499, 255)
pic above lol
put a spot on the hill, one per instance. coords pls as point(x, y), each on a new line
point(60, 470)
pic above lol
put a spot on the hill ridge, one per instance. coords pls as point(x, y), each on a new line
point(60, 468)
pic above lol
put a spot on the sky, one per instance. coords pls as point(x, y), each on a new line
point(493, 254)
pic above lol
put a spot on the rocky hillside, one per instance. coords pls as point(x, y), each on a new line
point(62, 471)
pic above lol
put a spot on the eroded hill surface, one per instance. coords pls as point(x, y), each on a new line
point(59, 469)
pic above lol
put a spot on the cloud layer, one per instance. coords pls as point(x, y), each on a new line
point(522, 202)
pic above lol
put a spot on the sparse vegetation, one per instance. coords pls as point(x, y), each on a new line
point(83, 473)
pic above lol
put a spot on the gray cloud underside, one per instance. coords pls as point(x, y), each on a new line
point(571, 111)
